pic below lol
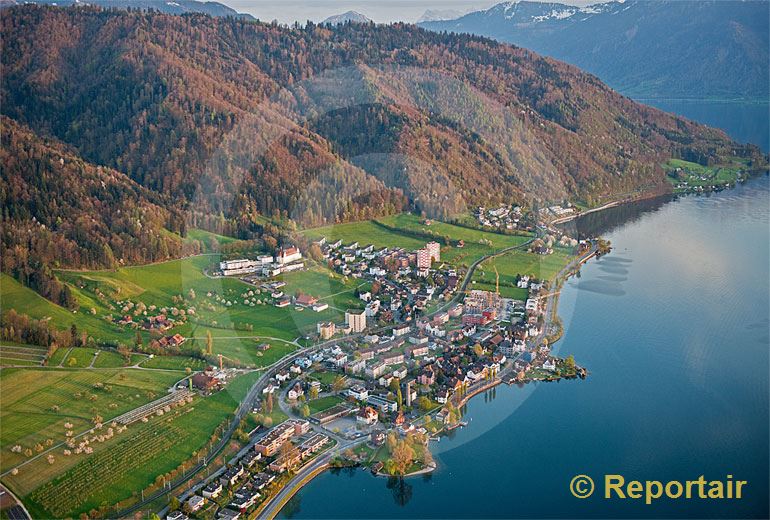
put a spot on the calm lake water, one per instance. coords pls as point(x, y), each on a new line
point(673, 326)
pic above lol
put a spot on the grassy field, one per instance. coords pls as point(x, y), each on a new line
point(696, 175)
point(325, 378)
point(80, 357)
point(477, 243)
point(17, 354)
point(513, 263)
point(324, 403)
point(328, 287)
point(26, 301)
point(38, 402)
point(161, 284)
point(365, 232)
point(206, 237)
point(173, 363)
point(128, 462)
point(58, 357)
point(108, 359)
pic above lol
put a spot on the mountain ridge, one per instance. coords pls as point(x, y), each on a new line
point(311, 125)
point(165, 6)
point(645, 49)
point(346, 17)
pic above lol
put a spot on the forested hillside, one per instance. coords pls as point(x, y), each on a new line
point(61, 211)
point(174, 121)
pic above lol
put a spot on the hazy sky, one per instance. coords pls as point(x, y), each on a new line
point(288, 11)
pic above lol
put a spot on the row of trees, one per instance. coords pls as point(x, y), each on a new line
point(20, 328)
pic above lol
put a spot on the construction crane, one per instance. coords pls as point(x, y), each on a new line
point(225, 357)
point(497, 282)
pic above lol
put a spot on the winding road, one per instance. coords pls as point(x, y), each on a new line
point(252, 397)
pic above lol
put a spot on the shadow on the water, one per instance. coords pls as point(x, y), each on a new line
point(617, 260)
point(292, 507)
point(604, 287)
point(613, 269)
point(401, 490)
point(611, 278)
point(605, 221)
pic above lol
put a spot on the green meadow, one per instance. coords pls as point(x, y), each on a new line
point(477, 243)
point(26, 301)
point(513, 263)
point(323, 403)
point(38, 402)
point(411, 232)
point(698, 175)
point(365, 232)
point(118, 467)
point(21, 355)
point(233, 326)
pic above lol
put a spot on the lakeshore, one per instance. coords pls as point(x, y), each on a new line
point(305, 475)
point(655, 363)
point(548, 299)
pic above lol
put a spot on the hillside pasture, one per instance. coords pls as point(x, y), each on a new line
point(477, 243)
point(38, 402)
point(412, 232)
point(128, 462)
point(16, 354)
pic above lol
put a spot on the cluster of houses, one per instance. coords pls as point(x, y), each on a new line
point(557, 211)
point(247, 478)
point(159, 322)
point(406, 282)
point(211, 379)
point(286, 259)
point(436, 358)
point(390, 379)
point(507, 217)
point(359, 261)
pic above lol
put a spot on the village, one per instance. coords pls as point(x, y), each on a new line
point(324, 351)
point(397, 369)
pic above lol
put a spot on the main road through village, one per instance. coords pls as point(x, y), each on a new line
point(274, 504)
point(252, 398)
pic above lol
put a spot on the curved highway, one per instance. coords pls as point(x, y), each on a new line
point(252, 397)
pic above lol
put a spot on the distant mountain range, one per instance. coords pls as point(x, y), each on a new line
point(435, 15)
point(693, 49)
point(163, 6)
point(350, 16)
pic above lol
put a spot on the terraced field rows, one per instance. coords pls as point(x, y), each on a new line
point(95, 474)
point(21, 355)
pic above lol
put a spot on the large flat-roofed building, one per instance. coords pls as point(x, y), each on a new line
point(275, 438)
point(240, 266)
point(382, 404)
point(356, 319)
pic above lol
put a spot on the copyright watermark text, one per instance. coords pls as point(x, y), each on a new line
point(616, 487)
